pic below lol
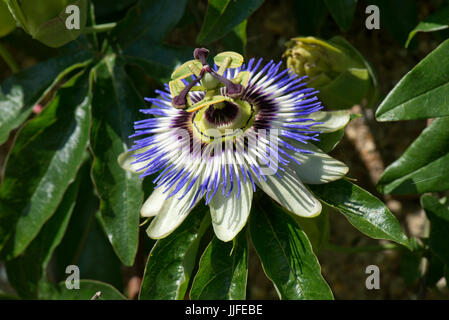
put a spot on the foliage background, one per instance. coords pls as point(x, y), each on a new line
point(367, 147)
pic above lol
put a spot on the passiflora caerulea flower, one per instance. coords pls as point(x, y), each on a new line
point(225, 133)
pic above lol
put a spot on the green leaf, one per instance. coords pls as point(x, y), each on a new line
point(317, 229)
point(150, 19)
point(115, 104)
point(332, 129)
point(20, 92)
point(43, 162)
point(222, 16)
point(172, 259)
point(328, 141)
point(286, 254)
point(423, 166)
point(310, 23)
point(364, 211)
point(437, 21)
point(85, 243)
point(236, 40)
point(342, 11)
point(410, 267)
point(223, 271)
point(158, 61)
point(423, 92)
point(26, 271)
point(88, 288)
point(438, 215)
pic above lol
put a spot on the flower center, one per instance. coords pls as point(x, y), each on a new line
point(223, 120)
point(222, 113)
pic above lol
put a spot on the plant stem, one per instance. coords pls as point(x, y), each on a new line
point(382, 247)
point(100, 28)
point(9, 59)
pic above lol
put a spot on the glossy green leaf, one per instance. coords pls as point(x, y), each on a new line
point(423, 92)
point(286, 254)
point(364, 211)
point(410, 267)
point(333, 128)
point(328, 141)
point(424, 166)
point(43, 162)
point(236, 39)
point(171, 261)
point(342, 11)
point(437, 21)
point(158, 61)
point(88, 288)
point(115, 105)
point(222, 16)
point(223, 271)
point(85, 243)
point(27, 270)
point(20, 92)
point(317, 229)
point(149, 19)
point(438, 215)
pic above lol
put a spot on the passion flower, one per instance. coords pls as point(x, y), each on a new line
point(231, 129)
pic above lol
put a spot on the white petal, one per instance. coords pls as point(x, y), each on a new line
point(318, 167)
point(170, 213)
point(125, 160)
point(291, 193)
point(229, 214)
point(153, 205)
point(332, 120)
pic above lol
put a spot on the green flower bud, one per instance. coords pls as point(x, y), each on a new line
point(7, 22)
point(49, 21)
point(335, 68)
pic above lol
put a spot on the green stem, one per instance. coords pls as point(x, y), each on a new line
point(100, 28)
point(9, 59)
point(382, 247)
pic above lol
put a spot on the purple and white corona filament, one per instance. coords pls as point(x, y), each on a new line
point(227, 132)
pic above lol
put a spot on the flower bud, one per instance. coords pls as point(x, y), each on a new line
point(7, 22)
point(333, 67)
point(49, 21)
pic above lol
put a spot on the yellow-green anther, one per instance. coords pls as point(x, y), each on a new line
point(224, 66)
point(194, 69)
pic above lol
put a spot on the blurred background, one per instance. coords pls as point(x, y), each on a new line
point(367, 147)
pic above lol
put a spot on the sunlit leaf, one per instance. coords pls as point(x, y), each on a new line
point(424, 166)
point(115, 105)
point(286, 254)
point(364, 211)
point(171, 261)
point(222, 16)
point(423, 92)
point(43, 162)
point(223, 271)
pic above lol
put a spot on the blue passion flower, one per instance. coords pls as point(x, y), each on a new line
point(220, 133)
